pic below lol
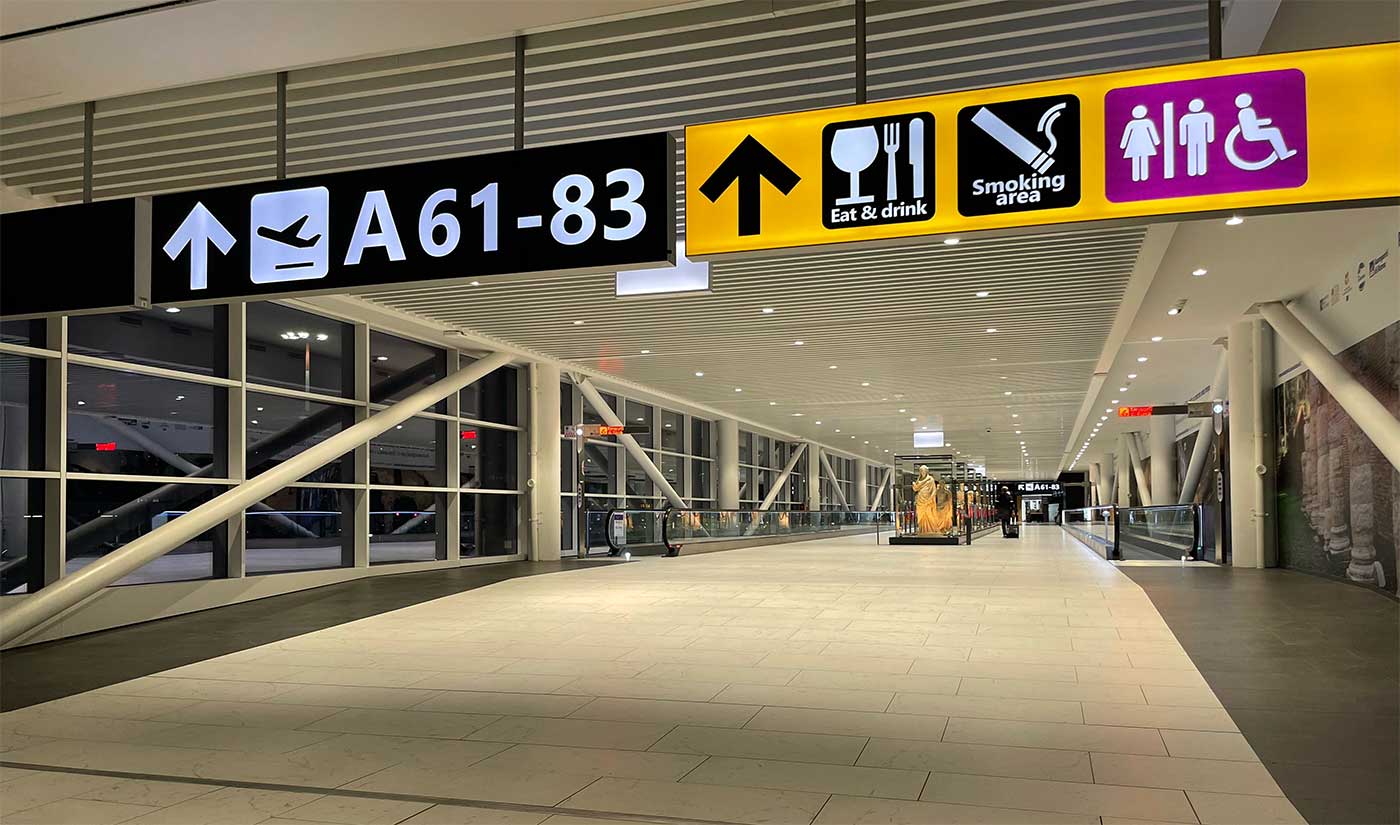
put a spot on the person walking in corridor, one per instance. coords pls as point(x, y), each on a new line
point(1005, 503)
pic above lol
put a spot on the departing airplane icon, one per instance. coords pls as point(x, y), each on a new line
point(291, 235)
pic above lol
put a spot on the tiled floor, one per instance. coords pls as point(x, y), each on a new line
point(828, 682)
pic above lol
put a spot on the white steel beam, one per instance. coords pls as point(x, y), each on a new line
point(600, 406)
point(835, 482)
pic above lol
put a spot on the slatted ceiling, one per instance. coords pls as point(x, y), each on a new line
point(38, 147)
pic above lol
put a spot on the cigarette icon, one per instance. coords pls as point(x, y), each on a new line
point(1013, 140)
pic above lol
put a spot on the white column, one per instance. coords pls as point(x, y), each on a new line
point(1091, 494)
point(545, 491)
point(727, 464)
point(1124, 472)
point(814, 476)
point(1107, 473)
point(1252, 539)
point(1135, 459)
point(1161, 448)
point(1205, 434)
point(861, 484)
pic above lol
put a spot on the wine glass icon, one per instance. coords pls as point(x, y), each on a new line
point(853, 149)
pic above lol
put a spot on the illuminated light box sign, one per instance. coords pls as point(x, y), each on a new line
point(598, 204)
point(928, 439)
point(1271, 132)
point(1134, 412)
point(600, 430)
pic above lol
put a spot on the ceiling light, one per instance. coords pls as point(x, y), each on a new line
point(852, 437)
point(838, 429)
point(1122, 389)
point(646, 352)
point(816, 422)
point(799, 415)
point(1142, 359)
point(252, 421)
point(865, 383)
point(1235, 220)
point(476, 283)
point(1103, 418)
point(913, 419)
point(797, 343)
point(578, 323)
point(321, 336)
point(951, 241)
point(991, 329)
point(179, 398)
point(398, 426)
point(1114, 401)
point(1015, 415)
point(1156, 339)
point(772, 403)
point(699, 374)
point(1174, 311)
point(1018, 432)
point(1198, 272)
point(641, 419)
point(381, 358)
point(260, 409)
point(767, 310)
point(984, 294)
point(738, 389)
point(832, 367)
point(82, 403)
point(172, 310)
point(1008, 392)
point(1108, 409)
point(902, 409)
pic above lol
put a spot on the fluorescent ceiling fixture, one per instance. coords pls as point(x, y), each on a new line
point(929, 439)
point(816, 422)
point(902, 409)
point(321, 336)
point(991, 359)
point(913, 419)
point(1015, 415)
point(1198, 272)
point(1103, 418)
point(685, 276)
point(838, 429)
point(798, 415)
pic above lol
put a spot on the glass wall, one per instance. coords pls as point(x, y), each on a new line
point(166, 409)
point(761, 462)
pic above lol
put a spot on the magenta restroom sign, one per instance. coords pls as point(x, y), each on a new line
point(1237, 133)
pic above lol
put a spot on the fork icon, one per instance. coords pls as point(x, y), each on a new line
point(891, 149)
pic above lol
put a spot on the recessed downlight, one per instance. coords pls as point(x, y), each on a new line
point(699, 374)
point(172, 310)
point(952, 241)
point(767, 310)
point(984, 294)
point(1198, 272)
point(1156, 339)
point(797, 343)
point(1235, 220)
point(1142, 359)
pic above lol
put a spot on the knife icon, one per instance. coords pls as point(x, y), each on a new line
point(916, 154)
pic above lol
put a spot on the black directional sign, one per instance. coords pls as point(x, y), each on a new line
point(607, 203)
point(877, 171)
point(1018, 155)
point(78, 258)
point(749, 165)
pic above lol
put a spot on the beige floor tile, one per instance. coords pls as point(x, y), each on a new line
point(1166, 661)
point(849, 723)
point(803, 697)
point(475, 782)
point(438, 753)
point(984, 760)
point(465, 815)
point(52, 726)
point(1140, 676)
point(995, 670)
point(987, 707)
point(1055, 735)
point(206, 689)
point(113, 706)
point(1059, 691)
point(755, 645)
point(10, 742)
point(1231, 809)
point(247, 739)
point(584, 733)
point(893, 682)
point(992, 641)
point(78, 812)
point(667, 711)
point(565, 819)
point(229, 806)
point(1199, 744)
point(345, 696)
point(594, 762)
point(849, 810)
point(947, 649)
point(1159, 716)
point(807, 776)
point(592, 653)
point(145, 792)
point(41, 788)
point(577, 667)
point(824, 661)
point(717, 673)
point(693, 656)
point(423, 723)
point(356, 810)
point(494, 682)
point(235, 671)
point(503, 704)
point(247, 714)
point(1233, 777)
point(762, 744)
point(711, 802)
point(1200, 697)
point(643, 688)
point(8, 774)
point(1035, 656)
point(1060, 797)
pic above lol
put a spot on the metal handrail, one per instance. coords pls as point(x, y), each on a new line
point(70, 591)
point(672, 550)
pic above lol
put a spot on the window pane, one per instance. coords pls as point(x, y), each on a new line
point(21, 535)
point(568, 458)
point(700, 480)
point(745, 447)
point(489, 458)
point(409, 454)
point(700, 438)
point(761, 444)
point(590, 415)
point(489, 525)
point(670, 468)
point(299, 528)
point(399, 367)
point(600, 468)
point(28, 333)
point(672, 431)
point(110, 514)
point(746, 485)
point(566, 404)
point(123, 422)
point(568, 515)
point(640, 414)
point(638, 482)
point(280, 428)
point(21, 398)
point(192, 340)
point(403, 526)
point(492, 398)
point(279, 355)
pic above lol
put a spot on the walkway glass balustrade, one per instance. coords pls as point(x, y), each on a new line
point(1172, 531)
point(669, 530)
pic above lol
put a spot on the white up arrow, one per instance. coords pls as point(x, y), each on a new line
point(199, 229)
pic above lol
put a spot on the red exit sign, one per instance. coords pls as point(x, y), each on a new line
point(611, 429)
point(1133, 412)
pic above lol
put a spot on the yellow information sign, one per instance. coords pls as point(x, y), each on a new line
point(1282, 130)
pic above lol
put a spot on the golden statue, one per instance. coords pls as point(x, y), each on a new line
point(932, 504)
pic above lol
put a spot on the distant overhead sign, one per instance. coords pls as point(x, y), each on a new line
point(605, 203)
point(1269, 132)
